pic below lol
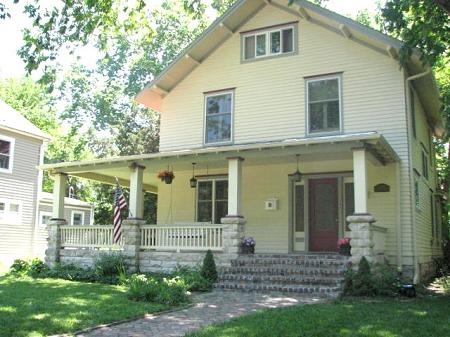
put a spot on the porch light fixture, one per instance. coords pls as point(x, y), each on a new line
point(193, 180)
point(297, 175)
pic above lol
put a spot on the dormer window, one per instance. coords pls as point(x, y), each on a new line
point(268, 42)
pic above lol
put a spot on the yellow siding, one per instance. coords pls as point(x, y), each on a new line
point(270, 101)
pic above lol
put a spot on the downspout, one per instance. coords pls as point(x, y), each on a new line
point(416, 278)
point(399, 219)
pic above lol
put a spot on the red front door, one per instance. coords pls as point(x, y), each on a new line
point(323, 215)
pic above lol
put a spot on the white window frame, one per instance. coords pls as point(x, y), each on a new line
point(267, 32)
point(318, 79)
point(12, 142)
point(7, 215)
point(213, 195)
point(41, 215)
point(72, 216)
point(205, 117)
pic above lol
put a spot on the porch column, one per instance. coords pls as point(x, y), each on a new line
point(360, 180)
point(234, 186)
point(59, 192)
point(136, 196)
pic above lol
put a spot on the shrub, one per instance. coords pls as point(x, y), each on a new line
point(19, 267)
point(209, 270)
point(141, 288)
point(385, 280)
point(37, 268)
point(445, 282)
point(192, 279)
point(72, 273)
point(172, 291)
point(109, 264)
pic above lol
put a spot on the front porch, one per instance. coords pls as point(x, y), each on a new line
point(242, 191)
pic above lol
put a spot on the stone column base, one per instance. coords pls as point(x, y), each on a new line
point(131, 237)
point(233, 231)
point(52, 253)
point(361, 237)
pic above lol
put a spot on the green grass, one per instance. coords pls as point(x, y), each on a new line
point(39, 307)
point(422, 317)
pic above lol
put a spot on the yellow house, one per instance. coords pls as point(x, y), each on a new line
point(298, 126)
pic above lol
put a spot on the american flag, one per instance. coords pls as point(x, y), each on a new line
point(119, 204)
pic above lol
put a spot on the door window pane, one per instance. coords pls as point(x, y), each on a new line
point(299, 208)
point(249, 46)
point(5, 153)
point(324, 198)
point(275, 42)
point(218, 118)
point(324, 105)
point(288, 40)
point(261, 45)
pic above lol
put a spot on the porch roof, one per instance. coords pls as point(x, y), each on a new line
point(107, 169)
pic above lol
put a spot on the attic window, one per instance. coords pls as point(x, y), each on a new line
point(268, 42)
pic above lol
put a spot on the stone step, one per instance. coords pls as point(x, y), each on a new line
point(283, 270)
point(299, 256)
point(282, 279)
point(286, 262)
point(331, 291)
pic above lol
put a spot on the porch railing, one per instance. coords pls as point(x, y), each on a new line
point(182, 237)
point(88, 236)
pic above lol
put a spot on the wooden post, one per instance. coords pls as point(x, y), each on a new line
point(59, 192)
point(234, 186)
point(136, 184)
point(360, 180)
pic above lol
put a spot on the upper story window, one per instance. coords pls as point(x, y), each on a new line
point(268, 42)
point(425, 164)
point(324, 104)
point(218, 117)
point(6, 153)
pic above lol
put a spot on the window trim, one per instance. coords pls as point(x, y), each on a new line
point(267, 32)
point(213, 196)
point(12, 142)
point(72, 216)
point(205, 116)
point(7, 212)
point(42, 214)
point(308, 80)
point(424, 157)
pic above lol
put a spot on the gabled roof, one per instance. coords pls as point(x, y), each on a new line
point(243, 10)
point(14, 121)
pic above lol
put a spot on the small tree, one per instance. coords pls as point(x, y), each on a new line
point(209, 270)
point(362, 282)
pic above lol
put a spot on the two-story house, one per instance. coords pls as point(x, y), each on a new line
point(298, 126)
point(24, 209)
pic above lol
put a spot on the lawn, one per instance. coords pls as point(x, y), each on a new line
point(39, 307)
point(422, 317)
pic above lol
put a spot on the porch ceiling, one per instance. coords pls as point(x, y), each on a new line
point(312, 148)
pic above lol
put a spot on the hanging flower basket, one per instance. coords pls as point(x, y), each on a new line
point(344, 246)
point(166, 176)
point(248, 246)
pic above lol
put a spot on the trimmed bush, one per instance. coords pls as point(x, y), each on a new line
point(362, 281)
point(385, 280)
point(37, 268)
point(19, 267)
point(209, 270)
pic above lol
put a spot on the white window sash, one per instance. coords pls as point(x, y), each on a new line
point(213, 196)
point(207, 115)
point(11, 153)
point(72, 220)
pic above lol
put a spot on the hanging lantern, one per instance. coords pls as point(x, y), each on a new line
point(297, 175)
point(193, 180)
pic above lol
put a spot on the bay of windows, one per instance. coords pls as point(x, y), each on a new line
point(270, 42)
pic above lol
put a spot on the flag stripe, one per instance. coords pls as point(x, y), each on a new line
point(119, 204)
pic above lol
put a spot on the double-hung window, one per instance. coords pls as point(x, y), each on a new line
point(44, 218)
point(10, 211)
point(77, 218)
point(268, 42)
point(425, 164)
point(6, 153)
point(324, 104)
point(212, 200)
point(218, 117)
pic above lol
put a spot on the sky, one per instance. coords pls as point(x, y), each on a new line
point(11, 36)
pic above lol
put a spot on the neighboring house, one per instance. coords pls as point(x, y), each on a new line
point(266, 91)
point(22, 217)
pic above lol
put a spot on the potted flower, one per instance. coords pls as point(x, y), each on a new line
point(166, 176)
point(248, 246)
point(344, 246)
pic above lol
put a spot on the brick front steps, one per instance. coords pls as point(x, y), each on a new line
point(309, 273)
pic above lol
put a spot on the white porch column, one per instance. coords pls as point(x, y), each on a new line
point(59, 192)
point(234, 186)
point(136, 196)
point(360, 180)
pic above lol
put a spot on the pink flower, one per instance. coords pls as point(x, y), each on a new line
point(343, 242)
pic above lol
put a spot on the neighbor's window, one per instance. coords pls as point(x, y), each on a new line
point(212, 200)
point(77, 218)
point(6, 149)
point(2, 209)
point(424, 164)
point(10, 211)
point(268, 42)
point(417, 194)
point(44, 218)
point(324, 106)
point(218, 120)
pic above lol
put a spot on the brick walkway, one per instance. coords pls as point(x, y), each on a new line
point(209, 308)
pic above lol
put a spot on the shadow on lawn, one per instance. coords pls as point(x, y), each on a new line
point(49, 306)
point(372, 318)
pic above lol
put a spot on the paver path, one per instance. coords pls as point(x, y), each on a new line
point(209, 308)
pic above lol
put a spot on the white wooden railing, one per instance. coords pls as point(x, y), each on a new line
point(182, 237)
point(88, 236)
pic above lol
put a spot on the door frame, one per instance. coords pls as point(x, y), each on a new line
point(341, 177)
